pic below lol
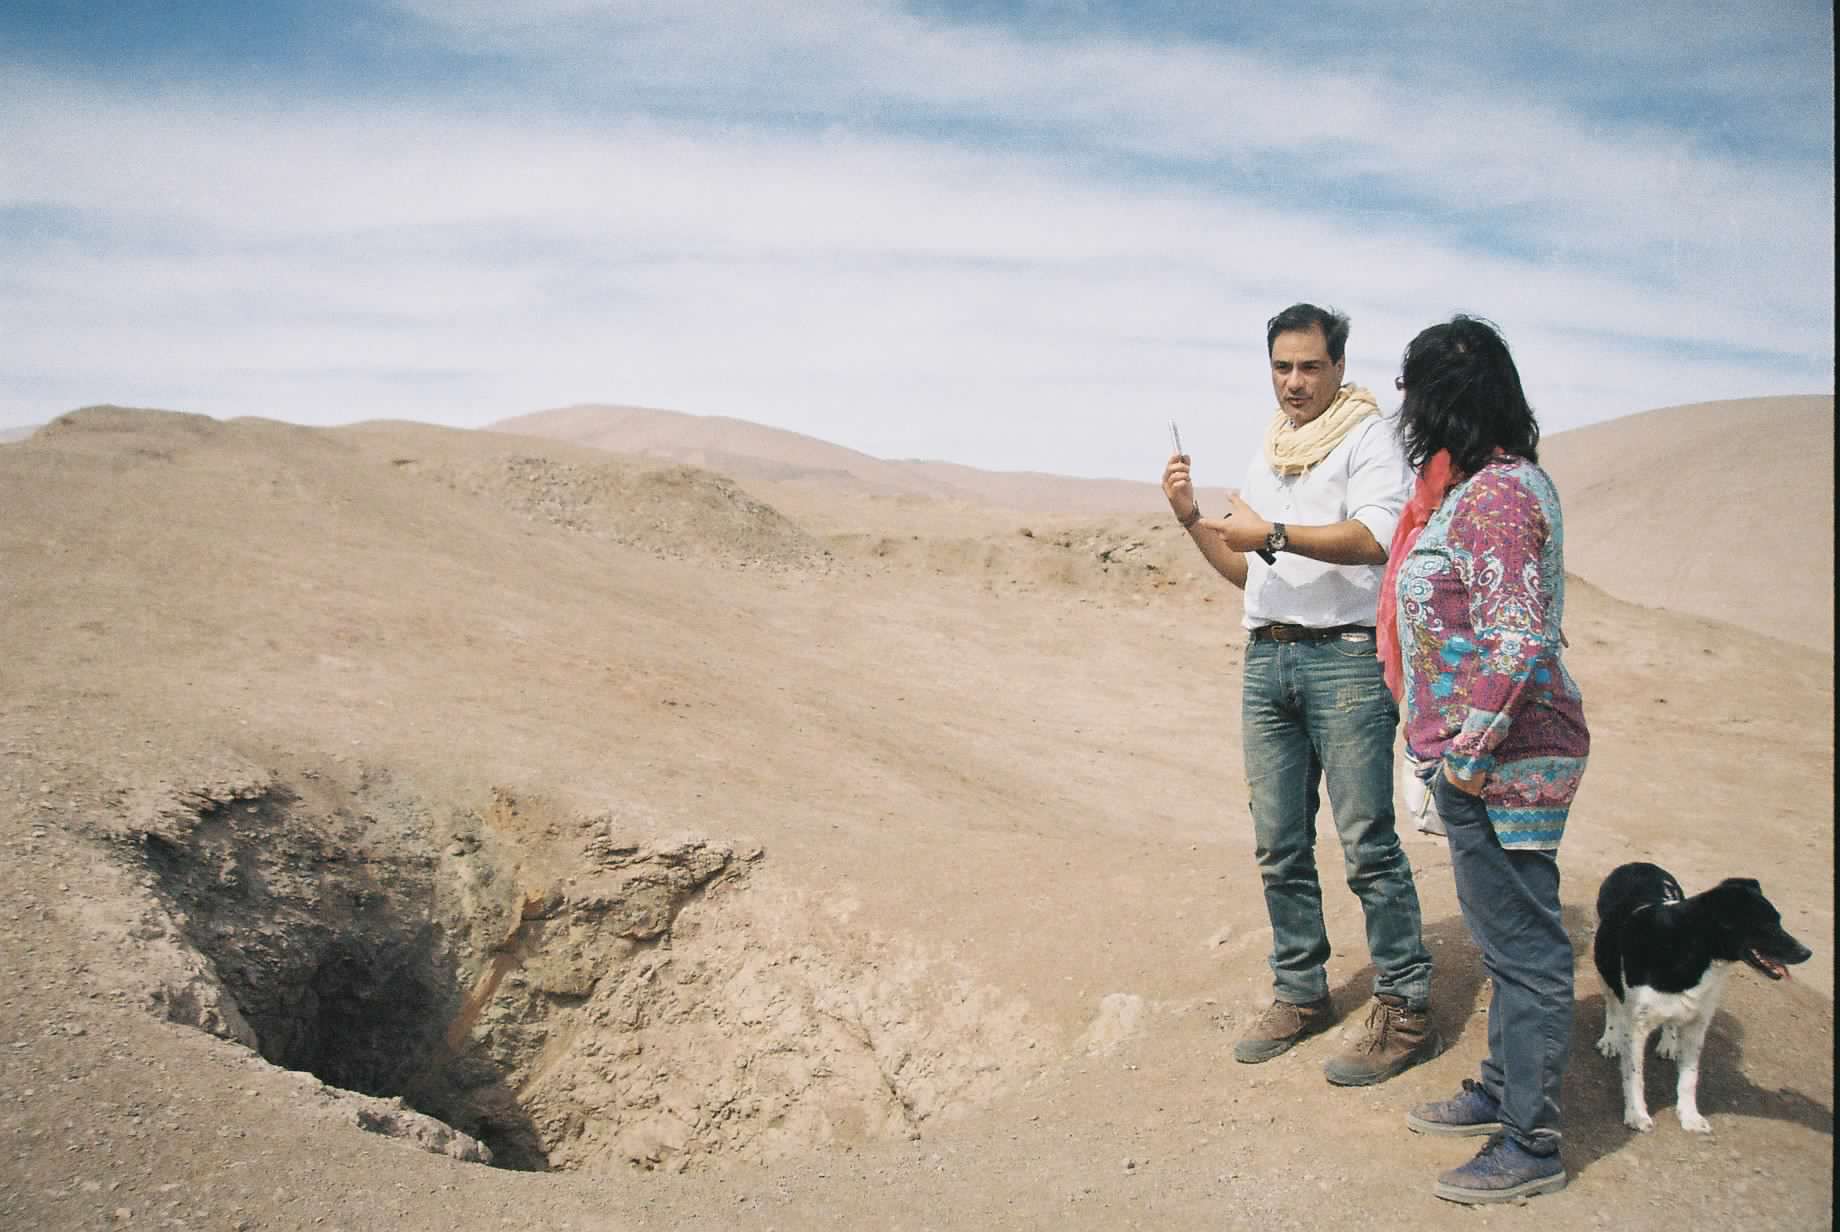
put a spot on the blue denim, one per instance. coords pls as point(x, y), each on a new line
point(1316, 713)
point(1510, 901)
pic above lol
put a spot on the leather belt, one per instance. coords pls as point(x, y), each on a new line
point(1303, 633)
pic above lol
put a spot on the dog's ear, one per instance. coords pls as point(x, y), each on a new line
point(1743, 883)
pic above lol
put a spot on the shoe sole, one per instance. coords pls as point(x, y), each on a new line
point(1277, 1048)
point(1262, 1057)
point(1444, 1129)
point(1259, 1058)
point(1478, 1197)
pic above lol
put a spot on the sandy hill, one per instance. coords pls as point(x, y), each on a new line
point(1686, 508)
point(754, 453)
point(1664, 508)
point(715, 864)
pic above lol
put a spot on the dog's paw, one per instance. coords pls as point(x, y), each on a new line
point(1669, 1045)
point(1694, 1123)
point(1606, 1044)
point(1639, 1121)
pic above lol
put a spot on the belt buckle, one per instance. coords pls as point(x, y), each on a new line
point(1286, 633)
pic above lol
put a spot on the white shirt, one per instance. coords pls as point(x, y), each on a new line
point(1365, 477)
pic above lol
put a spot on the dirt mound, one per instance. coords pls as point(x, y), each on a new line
point(1053, 555)
point(748, 451)
point(680, 512)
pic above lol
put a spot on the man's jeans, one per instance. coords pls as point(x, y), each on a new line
point(1313, 711)
point(1510, 901)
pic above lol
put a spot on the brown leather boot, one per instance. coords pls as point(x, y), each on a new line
point(1393, 1041)
point(1281, 1025)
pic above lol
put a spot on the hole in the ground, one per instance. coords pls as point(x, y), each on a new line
point(562, 992)
point(332, 956)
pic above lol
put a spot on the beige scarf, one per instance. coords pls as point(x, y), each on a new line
point(1292, 451)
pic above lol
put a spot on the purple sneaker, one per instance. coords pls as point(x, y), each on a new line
point(1503, 1171)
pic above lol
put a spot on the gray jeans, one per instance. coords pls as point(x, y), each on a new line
point(1315, 712)
point(1510, 901)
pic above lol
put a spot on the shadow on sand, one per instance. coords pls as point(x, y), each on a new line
point(1594, 1089)
point(1593, 1095)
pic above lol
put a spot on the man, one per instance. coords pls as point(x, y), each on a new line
point(1321, 500)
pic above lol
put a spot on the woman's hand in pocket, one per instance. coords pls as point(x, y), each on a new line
point(1469, 787)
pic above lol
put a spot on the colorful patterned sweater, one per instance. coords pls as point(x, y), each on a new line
point(1481, 599)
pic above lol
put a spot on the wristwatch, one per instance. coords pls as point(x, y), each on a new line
point(1194, 515)
point(1275, 541)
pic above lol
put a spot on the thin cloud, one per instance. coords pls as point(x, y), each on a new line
point(1090, 246)
point(1520, 162)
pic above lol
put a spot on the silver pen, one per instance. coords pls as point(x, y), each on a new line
point(1175, 435)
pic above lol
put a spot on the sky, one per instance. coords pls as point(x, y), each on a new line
point(1018, 236)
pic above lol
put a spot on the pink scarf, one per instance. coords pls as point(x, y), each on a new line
point(1434, 481)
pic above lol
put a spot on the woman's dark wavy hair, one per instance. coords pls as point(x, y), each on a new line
point(1463, 393)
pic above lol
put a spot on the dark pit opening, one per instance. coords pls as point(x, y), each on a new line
point(333, 957)
point(367, 1011)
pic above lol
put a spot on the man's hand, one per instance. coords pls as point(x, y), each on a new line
point(1178, 489)
point(1469, 787)
point(1206, 534)
point(1242, 529)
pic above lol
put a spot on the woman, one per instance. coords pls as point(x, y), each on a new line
point(1470, 633)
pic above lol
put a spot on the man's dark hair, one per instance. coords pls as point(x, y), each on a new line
point(1463, 393)
point(1305, 317)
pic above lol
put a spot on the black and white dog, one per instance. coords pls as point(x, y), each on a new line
point(1664, 959)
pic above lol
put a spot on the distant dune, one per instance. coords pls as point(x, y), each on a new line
point(1671, 508)
point(734, 446)
point(751, 451)
point(17, 434)
point(1717, 509)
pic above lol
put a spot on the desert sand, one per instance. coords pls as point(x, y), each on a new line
point(748, 836)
